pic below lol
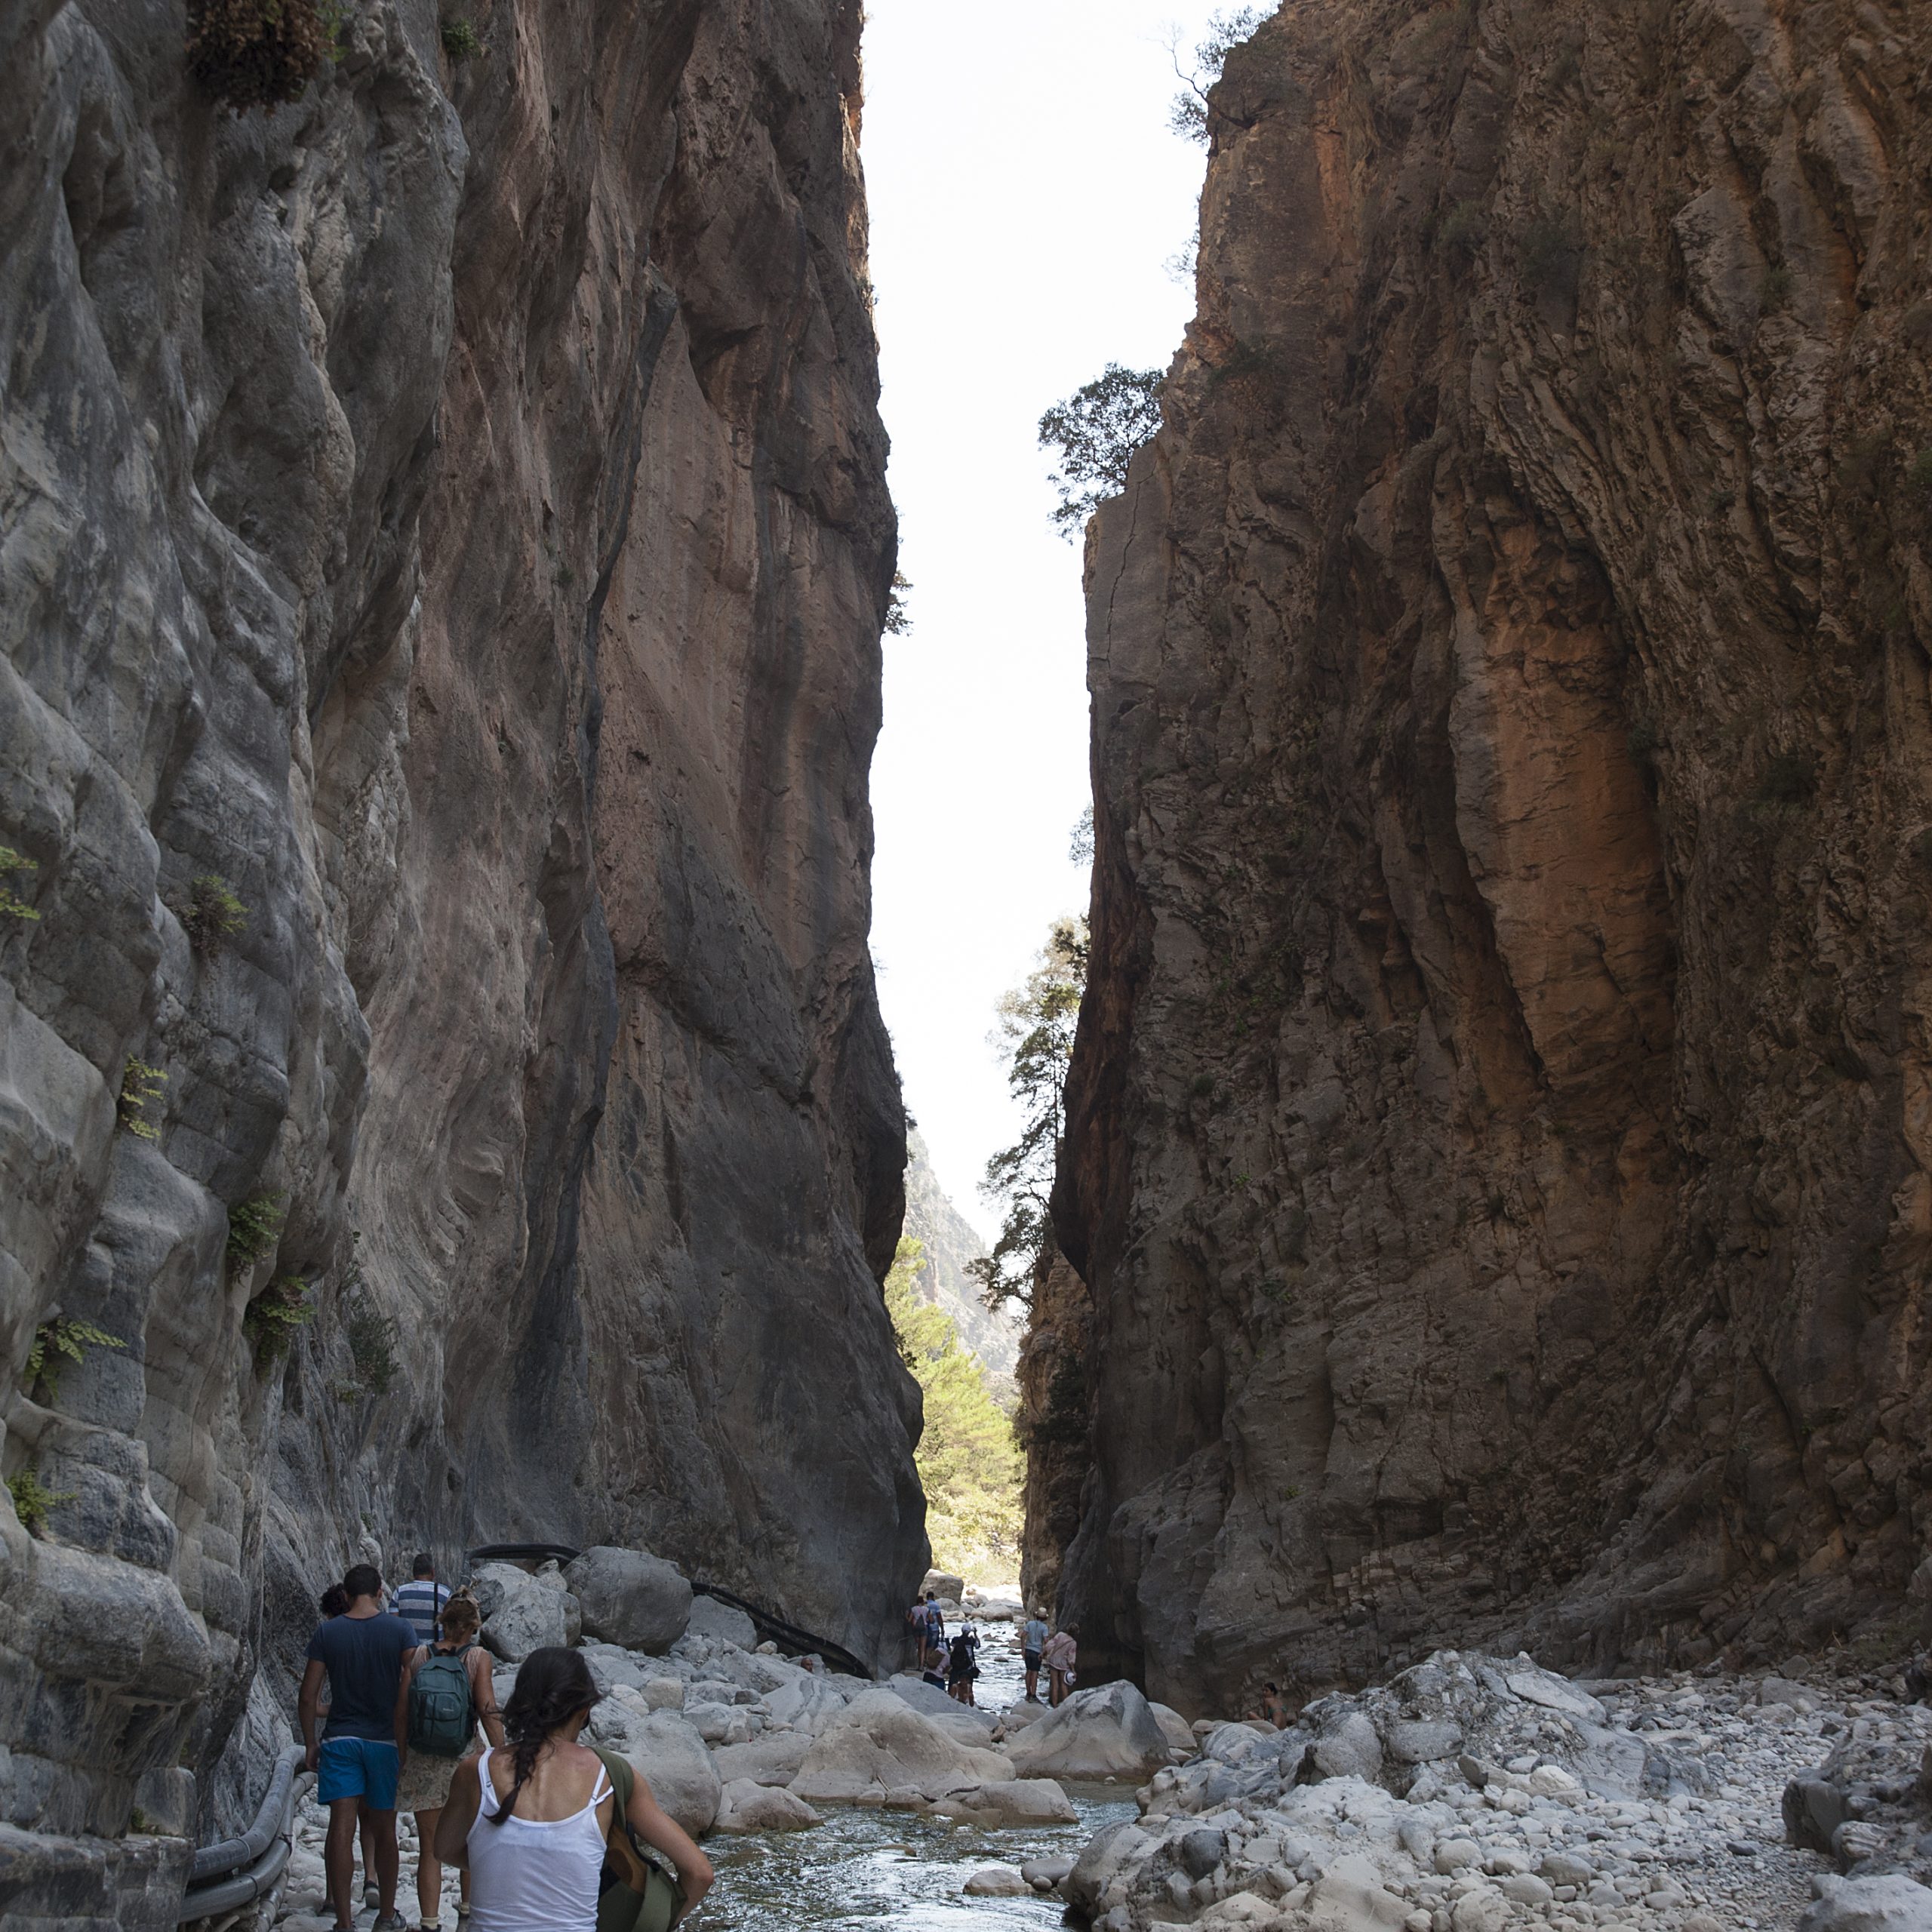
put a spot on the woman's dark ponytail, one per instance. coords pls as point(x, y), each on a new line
point(553, 1685)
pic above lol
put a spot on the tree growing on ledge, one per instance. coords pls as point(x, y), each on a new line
point(1096, 430)
point(969, 1464)
point(1035, 1030)
point(1188, 116)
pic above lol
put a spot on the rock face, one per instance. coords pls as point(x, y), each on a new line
point(445, 515)
point(1494, 1150)
point(951, 1241)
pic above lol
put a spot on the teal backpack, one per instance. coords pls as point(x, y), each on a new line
point(441, 1717)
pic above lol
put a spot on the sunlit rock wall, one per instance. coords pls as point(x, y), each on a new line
point(450, 508)
point(1498, 1143)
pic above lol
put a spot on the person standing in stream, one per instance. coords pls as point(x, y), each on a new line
point(444, 1714)
point(359, 1756)
point(1059, 1656)
point(1032, 1642)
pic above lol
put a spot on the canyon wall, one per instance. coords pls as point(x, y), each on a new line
point(446, 513)
point(1498, 1143)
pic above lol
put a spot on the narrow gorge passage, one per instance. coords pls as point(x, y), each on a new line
point(1084, 823)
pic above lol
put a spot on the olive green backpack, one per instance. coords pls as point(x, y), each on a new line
point(635, 1894)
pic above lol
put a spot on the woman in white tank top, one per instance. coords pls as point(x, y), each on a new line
point(531, 1823)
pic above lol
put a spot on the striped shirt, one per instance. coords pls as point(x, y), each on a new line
point(419, 1604)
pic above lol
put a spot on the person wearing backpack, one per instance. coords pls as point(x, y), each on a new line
point(558, 1838)
point(451, 1692)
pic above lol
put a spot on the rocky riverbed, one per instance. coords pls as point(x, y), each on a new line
point(1469, 1794)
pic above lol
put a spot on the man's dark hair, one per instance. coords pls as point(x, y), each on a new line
point(364, 1580)
point(424, 1565)
point(930, 1597)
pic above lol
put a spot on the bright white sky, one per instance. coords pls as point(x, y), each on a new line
point(1025, 196)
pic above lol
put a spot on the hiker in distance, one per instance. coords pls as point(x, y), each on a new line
point(359, 1756)
point(451, 1693)
point(420, 1602)
point(1061, 1653)
point(532, 1823)
point(1032, 1642)
point(964, 1666)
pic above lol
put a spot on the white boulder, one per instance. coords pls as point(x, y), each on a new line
point(521, 1612)
point(1109, 1731)
point(878, 1744)
point(1892, 1903)
point(997, 1881)
point(744, 1805)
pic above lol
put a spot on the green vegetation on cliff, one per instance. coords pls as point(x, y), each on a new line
point(968, 1462)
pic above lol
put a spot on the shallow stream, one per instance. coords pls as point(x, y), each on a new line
point(890, 1869)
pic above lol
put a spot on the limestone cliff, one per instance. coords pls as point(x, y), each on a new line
point(1498, 1149)
point(951, 1243)
point(445, 512)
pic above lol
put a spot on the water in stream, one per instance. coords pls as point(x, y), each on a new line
point(890, 1869)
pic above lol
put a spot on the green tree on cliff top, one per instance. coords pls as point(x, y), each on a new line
point(1096, 430)
point(1035, 1031)
point(969, 1465)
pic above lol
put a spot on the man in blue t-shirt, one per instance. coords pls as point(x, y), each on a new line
point(363, 1653)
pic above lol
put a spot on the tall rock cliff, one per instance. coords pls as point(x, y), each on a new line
point(446, 513)
point(951, 1243)
point(1498, 1151)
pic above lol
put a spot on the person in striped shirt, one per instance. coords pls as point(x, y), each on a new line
point(419, 1602)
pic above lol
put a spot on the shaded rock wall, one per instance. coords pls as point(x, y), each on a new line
point(1497, 1143)
point(450, 509)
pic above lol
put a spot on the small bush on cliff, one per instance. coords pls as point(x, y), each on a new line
point(968, 1462)
point(63, 1340)
point(372, 1338)
point(460, 40)
point(1187, 115)
point(140, 1088)
point(1035, 1028)
point(270, 1321)
point(32, 1501)
point(11, 908)
point(898, 618)
point(257, 53)
point(211, 914)
point(1463, 230)
point(1096, 430)
point(253, 1227)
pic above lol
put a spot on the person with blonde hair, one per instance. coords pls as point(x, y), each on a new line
point(451, 1693)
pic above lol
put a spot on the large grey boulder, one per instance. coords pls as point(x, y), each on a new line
point(773, 1758)
point(719, 1621)
point(669, 1753)
point(1009, 1801)
point(1892, 1903)
point(878, 1744)
point(1108, 1732)
point(630, 1598)
point(747, 1805)
point(521, 1612)
point(1112, 1851)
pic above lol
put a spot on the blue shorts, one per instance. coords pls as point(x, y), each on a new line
point(359, 1767)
